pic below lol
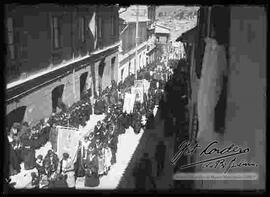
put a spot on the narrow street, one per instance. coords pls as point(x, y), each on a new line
point(130, 149)
point(147, 144)
point(116, 90)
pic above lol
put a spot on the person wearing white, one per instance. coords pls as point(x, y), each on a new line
point(84, 148)
point(213, 69)
point(68, 170)
point(108, 157)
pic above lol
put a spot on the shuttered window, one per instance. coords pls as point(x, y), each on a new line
point(100, 27)
point(10, 38)
point(56, 32)
point(113, 25)
point(82, 29)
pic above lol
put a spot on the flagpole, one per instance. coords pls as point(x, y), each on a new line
point(137, 27)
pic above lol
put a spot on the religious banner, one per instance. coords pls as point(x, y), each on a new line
point(67, 141)
point(142, 84)
point(138, 83)
point(138, 92)
point(146, 86)
point(129, 101)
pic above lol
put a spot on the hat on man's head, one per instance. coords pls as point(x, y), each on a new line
point(65, 155)
point(40, 157)
point(33, 174)
point(91, 135)
point(16, 125)
point(145, 154)
point(49, 152)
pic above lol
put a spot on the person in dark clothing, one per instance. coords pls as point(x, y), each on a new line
point(35, 180)
point(51, 160)
point(169, 125)
point(39, 165)
point(28, 151)
point(147, 168)
point(98, 130)
point(160, 156)
point(61, 105)
point(162, 108)
point(14, 160)
point(150, 120)
point(61, 181)
point(139, 176)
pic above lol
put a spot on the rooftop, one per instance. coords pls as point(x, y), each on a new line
point(162, 30)
point(187, 36)
point(129, 14)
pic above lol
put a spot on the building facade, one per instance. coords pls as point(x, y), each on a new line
point(57, 52)
point(127, 54)
point(239, 112)
point(162, 34)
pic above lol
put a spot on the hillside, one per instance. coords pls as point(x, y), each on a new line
point(178, 18)
point(178, 12)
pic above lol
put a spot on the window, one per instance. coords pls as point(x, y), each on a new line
point(11, 46)
point(83, 79)
point(113, 25)
point(100, 73)
point(56, 97)
point(129, 65)
point(122, 74)
point(82, 29)
point(99, 27)
point(135, 66)
point(56, 33)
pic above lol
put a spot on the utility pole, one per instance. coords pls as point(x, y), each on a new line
point(137, 28)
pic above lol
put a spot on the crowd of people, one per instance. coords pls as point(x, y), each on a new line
point(174, 106)
point(23, 141)
point(172, 98)
point(97, 151)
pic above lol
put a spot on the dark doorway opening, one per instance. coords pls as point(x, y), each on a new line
point(57, 94)
point(100, 73)
point(122, 74)
point(112, 68)
point(129, 65)
point(83, 78)
point(17, 115)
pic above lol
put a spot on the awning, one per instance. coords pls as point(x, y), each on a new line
point(151, 50)
point(188, 36)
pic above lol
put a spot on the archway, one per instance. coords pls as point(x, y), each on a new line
point(17, 115)
point(100, 73)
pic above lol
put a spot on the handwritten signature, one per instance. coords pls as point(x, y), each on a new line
point(220, 161)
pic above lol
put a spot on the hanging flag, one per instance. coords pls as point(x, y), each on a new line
point(93, 29)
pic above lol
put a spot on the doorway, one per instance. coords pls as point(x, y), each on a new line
point(57, 94)
point(100, 73)
point(16, 115)
point(83, 78)
point(112, 68)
